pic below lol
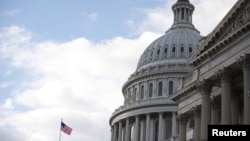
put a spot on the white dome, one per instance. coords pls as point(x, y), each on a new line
point(177, 45)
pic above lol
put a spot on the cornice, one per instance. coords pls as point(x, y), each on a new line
point(184, 91)
point(139, 107)
point(234, 25)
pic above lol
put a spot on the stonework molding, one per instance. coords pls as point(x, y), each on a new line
point(183, 118)
point(225, 74)
point(205, 86)
point(235, 25)
point(196, 111)
point(244, 61)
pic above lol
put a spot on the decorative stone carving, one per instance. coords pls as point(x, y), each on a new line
point(183, 117)
point(225, 74)
point(244, 61)
point(243, 20)
point(205, 86)
point(196, 111)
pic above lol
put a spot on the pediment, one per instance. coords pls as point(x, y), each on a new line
point(237, 20)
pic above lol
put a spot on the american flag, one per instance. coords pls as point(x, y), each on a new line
point(66, 129)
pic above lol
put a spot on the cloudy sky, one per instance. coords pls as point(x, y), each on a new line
point(69, 59)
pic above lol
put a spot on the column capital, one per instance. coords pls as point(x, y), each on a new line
point(182, 117)
point(244, 61)
point(205, 86)
point(225, 74)
point(196, 111)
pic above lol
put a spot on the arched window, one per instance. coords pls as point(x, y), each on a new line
point(152, 52)
point(182, 49)
point(158, 52)
point(160, 89)
point(135, 92)
point(129, 96)
point(173, 49)
point(150, 90)
point(166, 50)
point(190, 49)
point(170, 88)
point(142, 92)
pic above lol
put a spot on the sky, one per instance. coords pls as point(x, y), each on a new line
point(68, 60)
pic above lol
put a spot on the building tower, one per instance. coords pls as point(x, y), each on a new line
point(147, 113)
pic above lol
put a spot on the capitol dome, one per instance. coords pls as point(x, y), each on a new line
point(177, 45)
point(148, 113)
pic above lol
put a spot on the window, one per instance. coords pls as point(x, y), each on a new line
point(150, 90)
point(190, 49)
point(142, 92)
point(173, 49)
point(158, 52)
point(129, 96)
point(182, 13)
point(135, 92)
point(166, 50)
point(160, 89)
point(170, 88)
point(182, 49)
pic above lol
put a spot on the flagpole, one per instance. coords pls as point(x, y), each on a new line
point(60, 130)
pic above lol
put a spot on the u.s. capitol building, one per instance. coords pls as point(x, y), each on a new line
point(184, 81)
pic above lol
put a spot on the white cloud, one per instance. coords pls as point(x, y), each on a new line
point(75, 80)
point(207, 14)
point(8, 104)
point(12, 12)
point(80, 80)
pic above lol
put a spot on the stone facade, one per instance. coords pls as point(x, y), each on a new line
point(221, 87)
point(180, 87)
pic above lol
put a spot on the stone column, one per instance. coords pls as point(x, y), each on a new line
point(182, 127)
point(115, 133)
point(112, 133)
point(174, 125)
point(142, 131)
point(235, 106)
point(151, 130)
point(120, 131)
point(147, 127)
point(136, 129)
point(127, 132)
point(215, 113)
point(205, 89)
point(160, 128)
point(197, 122)
point(225, 75)
point(245, 62)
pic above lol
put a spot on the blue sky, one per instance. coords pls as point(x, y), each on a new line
point(64, 20)
point(69, 59)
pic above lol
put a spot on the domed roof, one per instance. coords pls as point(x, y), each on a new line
point(177, 45)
